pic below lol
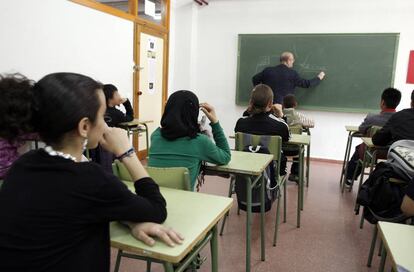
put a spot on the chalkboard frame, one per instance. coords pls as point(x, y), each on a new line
point(243, 102)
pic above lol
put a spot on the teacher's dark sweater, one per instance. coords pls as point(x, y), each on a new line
point(283, 81)
point(55, 213)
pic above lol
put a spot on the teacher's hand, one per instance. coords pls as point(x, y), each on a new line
point(321, 75)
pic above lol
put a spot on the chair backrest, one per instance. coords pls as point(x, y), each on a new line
point(274, 145)
point(296, 129)
point(1, 182)
point(171, 177)
point(372, 130)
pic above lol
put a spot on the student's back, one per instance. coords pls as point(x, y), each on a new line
point(263, 124)
point(179, 143)
point(261, 121)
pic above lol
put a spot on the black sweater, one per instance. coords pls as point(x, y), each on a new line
point(114, 116)
point(55, 213)
point(400, 126)
point(263, 124)
point(283, 81)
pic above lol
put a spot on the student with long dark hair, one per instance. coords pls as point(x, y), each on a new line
point(55, 210)
point(179, 143)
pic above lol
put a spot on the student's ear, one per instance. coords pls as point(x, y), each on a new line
point(84, 126)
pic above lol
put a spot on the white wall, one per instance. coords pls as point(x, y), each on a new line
point(209, 68)
point(41, 37)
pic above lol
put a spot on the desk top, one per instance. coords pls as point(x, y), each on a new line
point(351, 128)
point(301, 139)
point(135, 123)
point(247, 163)
point(399, 241)
point(191, 214)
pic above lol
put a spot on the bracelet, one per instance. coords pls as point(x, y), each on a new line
point(128, 153)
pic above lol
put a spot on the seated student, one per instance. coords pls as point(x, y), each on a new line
point(294, 118)
point(399, 127)
point(113, 115)
point(14, 90)
point(261, 120)
point(390, 99)
point(55, 210)
point(407, 206)
point(179, 143)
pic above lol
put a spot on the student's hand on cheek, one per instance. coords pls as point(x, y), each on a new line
point(209, 112)
point(115, 140)
point(145, 231)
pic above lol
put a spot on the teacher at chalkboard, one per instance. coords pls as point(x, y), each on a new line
point(283, 79)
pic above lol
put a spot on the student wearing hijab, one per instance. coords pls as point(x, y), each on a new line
point(179, 143)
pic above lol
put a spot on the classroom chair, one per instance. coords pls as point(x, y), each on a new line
point(172, 177)
point(369, 160)
point(275, 147)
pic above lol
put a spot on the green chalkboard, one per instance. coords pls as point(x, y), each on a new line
point(358, 67)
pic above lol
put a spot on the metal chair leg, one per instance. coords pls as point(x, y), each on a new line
point(118, 260)
point(371, 250)
point(232, 179)
point(277, 219)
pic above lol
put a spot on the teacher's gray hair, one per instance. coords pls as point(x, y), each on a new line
point(284, 57)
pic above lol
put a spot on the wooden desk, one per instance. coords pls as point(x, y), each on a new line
point(301, 140)
point(353, 131)
point(195, 215)
point(398, 240)
point(134, 127)
point(252, 166)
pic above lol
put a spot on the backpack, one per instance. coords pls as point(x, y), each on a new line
point(381, 196)
point(272, 187)
point(401, 154)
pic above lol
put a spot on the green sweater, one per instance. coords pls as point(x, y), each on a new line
point(189, 153)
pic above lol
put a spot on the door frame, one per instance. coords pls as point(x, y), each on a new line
point(164, 35)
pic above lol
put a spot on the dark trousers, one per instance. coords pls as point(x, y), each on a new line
point(353, 164)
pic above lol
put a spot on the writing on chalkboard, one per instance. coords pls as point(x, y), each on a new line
point(359, 66)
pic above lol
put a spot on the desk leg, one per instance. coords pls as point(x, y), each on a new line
point(168, 267)
point(214, 249)
point(308, 160)
point(248, 221)
point(307, 164)
point(348, 146)
point(262, 216)
point(146, 138)
point(301, 174)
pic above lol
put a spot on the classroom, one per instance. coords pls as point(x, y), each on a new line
point(195, 45)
